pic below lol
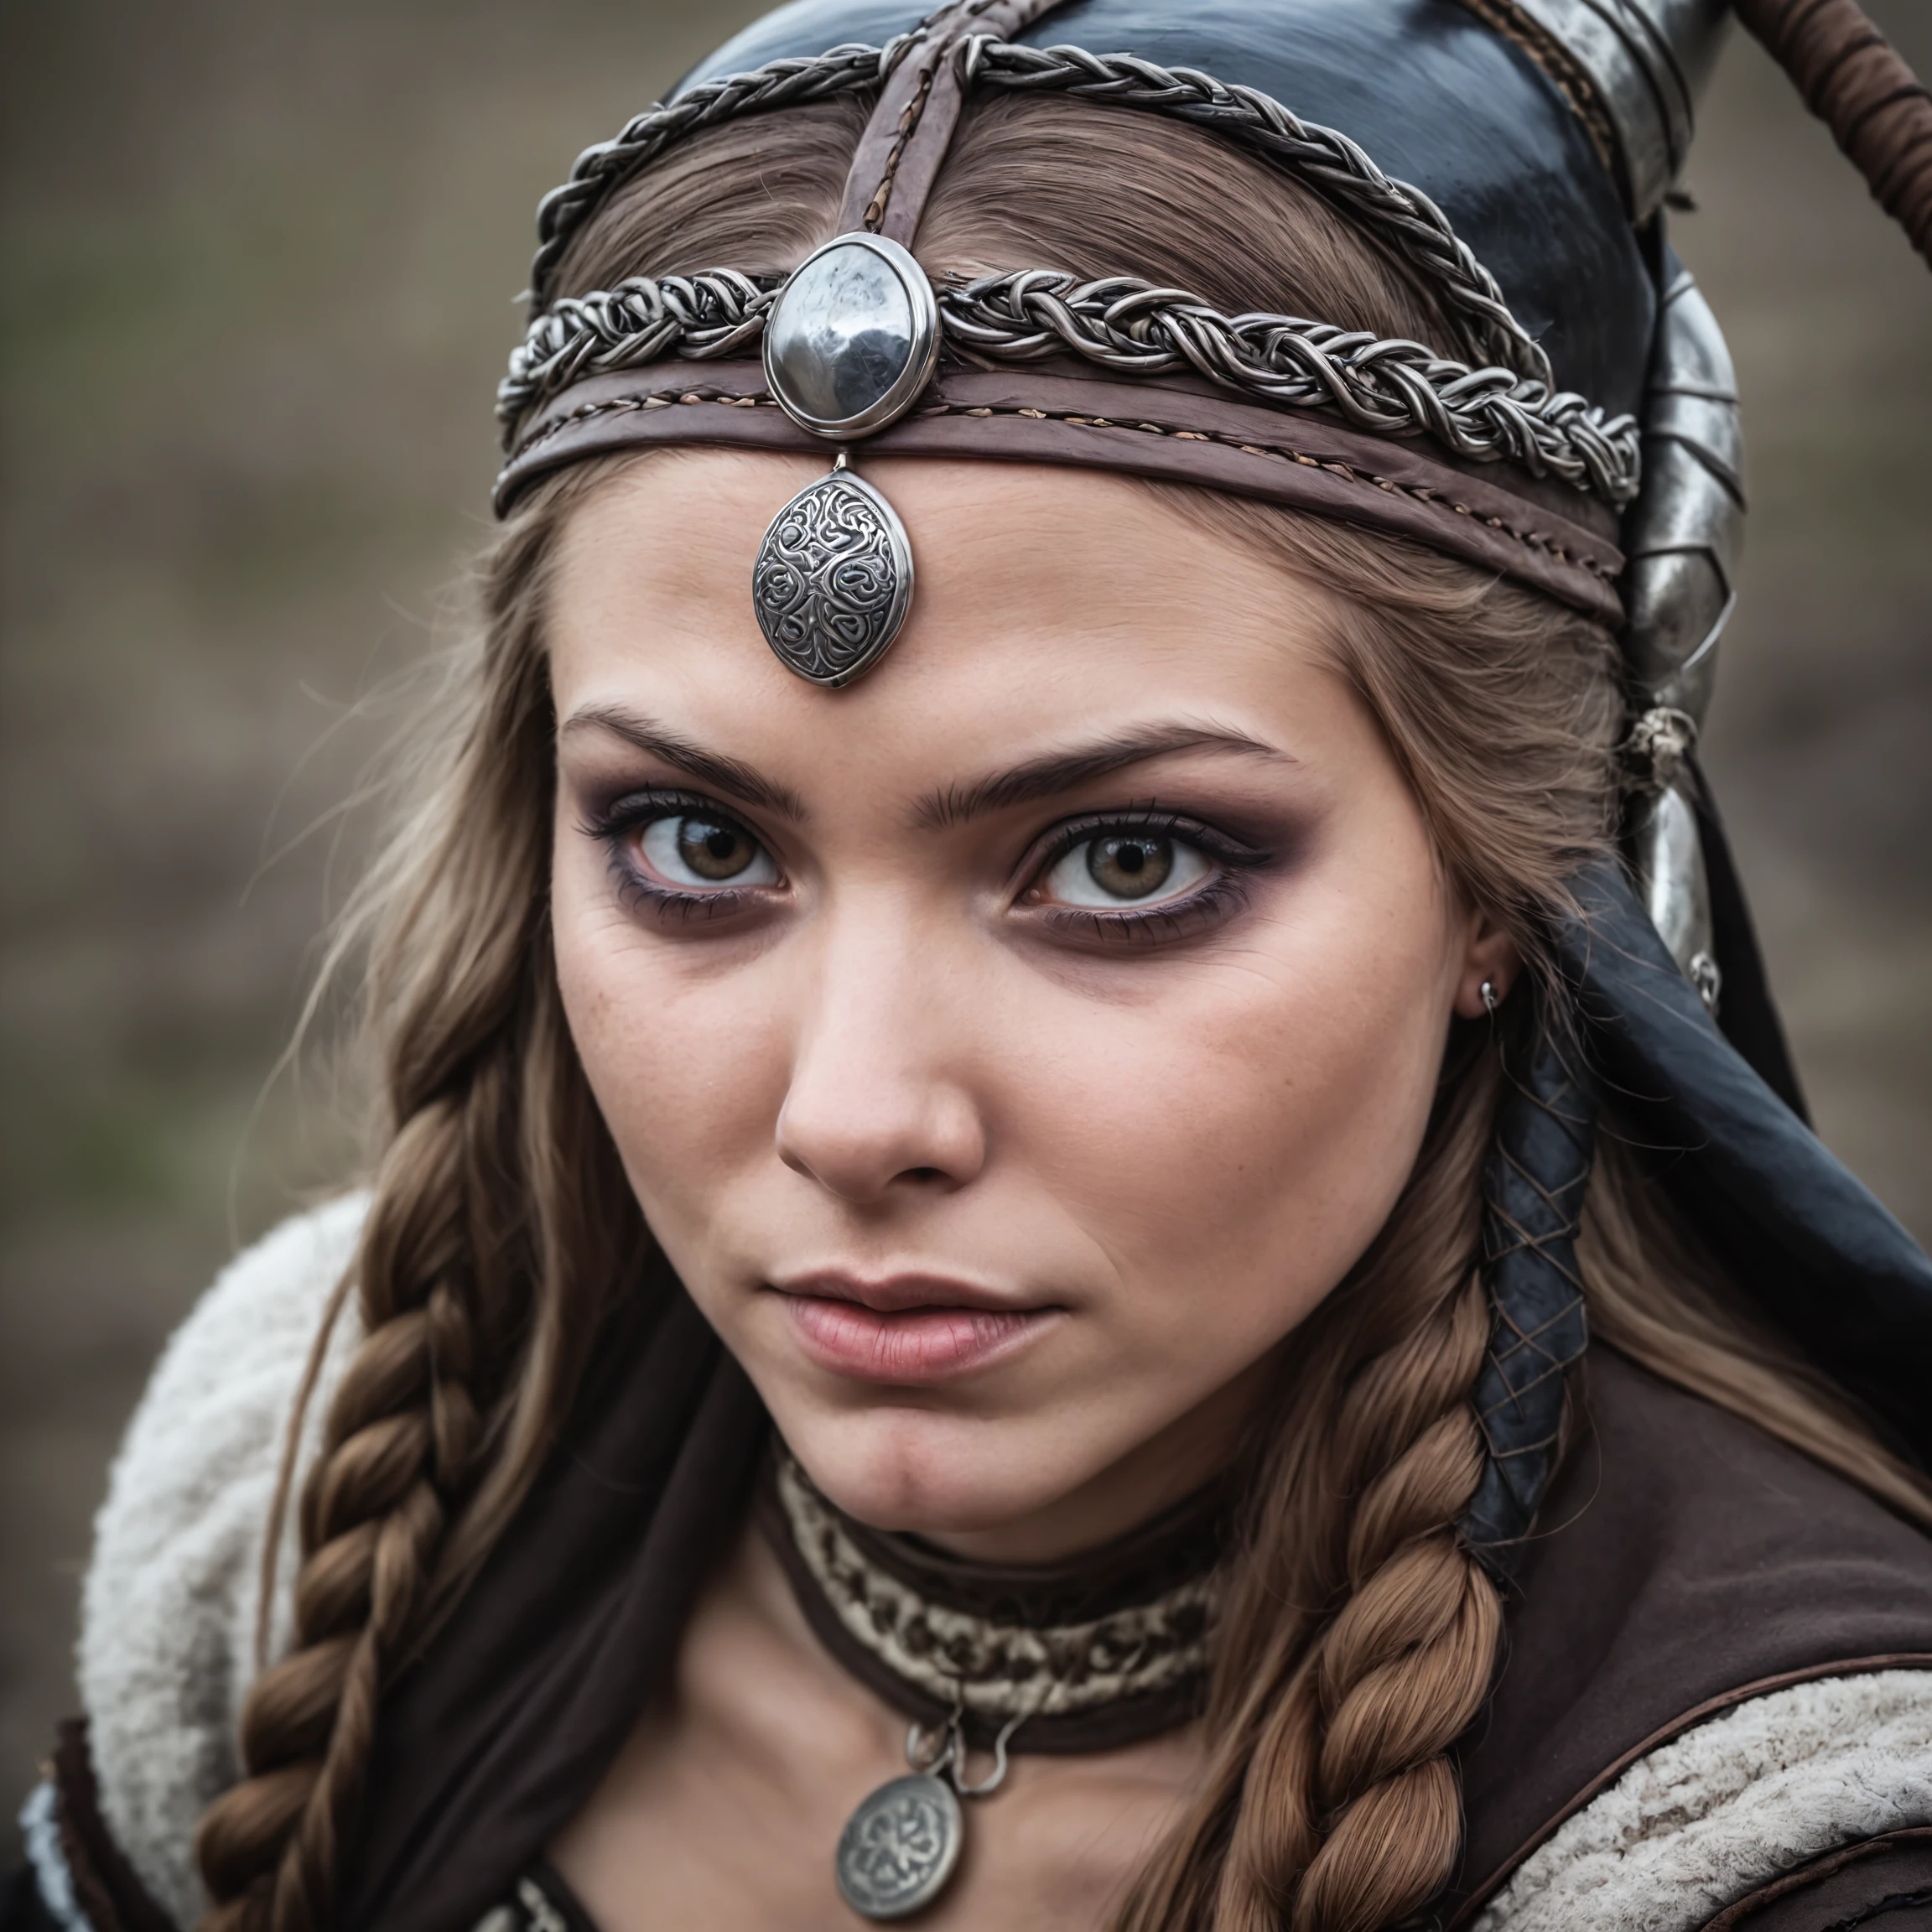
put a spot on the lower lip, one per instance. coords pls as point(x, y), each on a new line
point(911, 1345)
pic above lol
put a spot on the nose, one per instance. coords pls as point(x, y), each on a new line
point(873, 1107)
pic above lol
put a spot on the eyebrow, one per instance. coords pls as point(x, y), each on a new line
point(1057, 772)
point(740, 780)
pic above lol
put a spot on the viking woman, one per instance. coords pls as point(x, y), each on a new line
point(1090, 1214)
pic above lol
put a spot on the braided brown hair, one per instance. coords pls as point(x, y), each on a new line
point(500, 1226)
point(1361, 1634)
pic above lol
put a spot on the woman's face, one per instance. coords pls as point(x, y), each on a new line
point(1008, 1052)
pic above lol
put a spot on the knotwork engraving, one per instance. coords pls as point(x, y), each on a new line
point(834, 579)
point(900, 1847)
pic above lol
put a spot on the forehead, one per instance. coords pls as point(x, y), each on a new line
point(1046, 600)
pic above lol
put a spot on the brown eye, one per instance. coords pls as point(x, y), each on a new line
point(1130, 868)
point(698, 848)
point(713, 851)
point(1125, 867)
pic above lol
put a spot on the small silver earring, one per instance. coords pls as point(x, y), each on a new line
point(1490, 998)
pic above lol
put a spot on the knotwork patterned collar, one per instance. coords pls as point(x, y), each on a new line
point(1107, 1648)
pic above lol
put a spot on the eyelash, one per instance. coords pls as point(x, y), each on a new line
point(616, 822)
point(1223, 895)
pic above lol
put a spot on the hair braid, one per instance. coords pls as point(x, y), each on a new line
point(1354, 1753)
point(499, 1225)
point(1370, 1633)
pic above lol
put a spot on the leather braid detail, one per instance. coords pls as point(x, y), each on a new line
point(1388, 387)
point(1400, 216)
point(1538, 1173)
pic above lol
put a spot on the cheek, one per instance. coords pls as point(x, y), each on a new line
point(1250, 1127)
point(687, 1072)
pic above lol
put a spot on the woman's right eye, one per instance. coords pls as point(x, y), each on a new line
point(701, 852)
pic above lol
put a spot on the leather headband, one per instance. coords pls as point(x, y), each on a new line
point(1179, 429)
point(899, 155)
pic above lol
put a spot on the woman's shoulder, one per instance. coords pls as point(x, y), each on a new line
point(169, 1605)
point(1798, 1810)
point(1719, 1660)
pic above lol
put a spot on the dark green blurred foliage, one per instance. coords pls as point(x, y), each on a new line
point(255, 291)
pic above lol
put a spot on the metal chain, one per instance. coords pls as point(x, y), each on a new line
point(1387, 388)
point(698, 317)
point(1329, 163)
point(601, 170)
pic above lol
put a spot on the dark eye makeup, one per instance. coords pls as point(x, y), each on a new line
point(679, 856)
point(1142, 875)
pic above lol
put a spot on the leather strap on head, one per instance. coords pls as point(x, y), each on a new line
point(1180, 430)
point(905, 142)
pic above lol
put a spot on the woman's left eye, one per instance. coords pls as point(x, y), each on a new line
point(702, 851)
point(1125, 868)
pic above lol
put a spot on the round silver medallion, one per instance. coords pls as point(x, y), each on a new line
point(898, 1848)
point(834, 579)
point(852, 338)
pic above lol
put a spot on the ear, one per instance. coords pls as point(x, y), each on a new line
point(1489, 955)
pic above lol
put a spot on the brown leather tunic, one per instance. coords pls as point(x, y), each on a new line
point(1684, 1562)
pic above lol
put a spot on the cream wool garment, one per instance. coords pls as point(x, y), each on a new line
point(167, 1634)
point(169, 1610)
point(1709, 1816)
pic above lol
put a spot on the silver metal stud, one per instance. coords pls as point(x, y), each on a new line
point(852, 338)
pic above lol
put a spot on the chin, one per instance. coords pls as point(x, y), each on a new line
point(899, 1467)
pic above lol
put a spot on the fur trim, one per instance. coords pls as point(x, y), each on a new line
point(40, 1833)
point(1706, 1819)
point(168, 1611)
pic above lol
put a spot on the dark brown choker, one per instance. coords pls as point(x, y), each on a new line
point(1103, 1651)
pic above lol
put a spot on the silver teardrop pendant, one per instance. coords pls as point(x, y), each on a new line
point(834, 579)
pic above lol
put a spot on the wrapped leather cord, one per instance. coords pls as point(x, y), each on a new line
point(1538, 1172)
point(1852, 77)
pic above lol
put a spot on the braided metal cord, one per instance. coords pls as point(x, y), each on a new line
point(698, 317)
point(1329, 163)
point(1538, 1172)
point(1387, 388)
point(601, 170)
point(1402, 216)
point(1391, 387)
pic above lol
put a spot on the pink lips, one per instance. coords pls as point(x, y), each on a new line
point(908, 1328)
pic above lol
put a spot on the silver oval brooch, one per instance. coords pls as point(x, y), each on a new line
point(850, 343)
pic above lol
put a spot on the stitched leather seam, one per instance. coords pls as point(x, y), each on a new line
point(915, 112)
point(1434, 499)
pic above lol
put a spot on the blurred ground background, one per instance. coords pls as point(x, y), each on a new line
point(255, 285)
